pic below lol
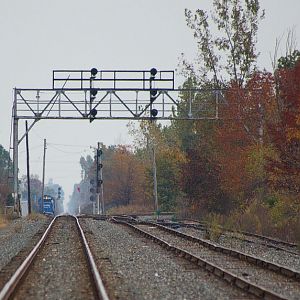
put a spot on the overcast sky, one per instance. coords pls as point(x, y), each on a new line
point(38, 36)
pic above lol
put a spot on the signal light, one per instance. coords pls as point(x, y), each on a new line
point(153, 92)
point(153, 95)
point(92, 190)
point(153, 71)
point(94, 72)
point(154, 112)
point(93, 114)
point(59, 192)
point(94, 92)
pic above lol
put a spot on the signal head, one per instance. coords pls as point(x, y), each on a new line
point(153, 71)
point(154, 112)
point(94, 72)
point(153, 93)
point(94, 112)
point(93, 92)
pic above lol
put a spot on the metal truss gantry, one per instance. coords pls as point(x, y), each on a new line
point(109, 94)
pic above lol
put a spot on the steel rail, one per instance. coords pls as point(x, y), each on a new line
point(260, 239)
point(229, 277)
point(9, 288)
point(234, 253)
point(259, 236)
point(11, 284)
point(101, 292)
point(269, 239)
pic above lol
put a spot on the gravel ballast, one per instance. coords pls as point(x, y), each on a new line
point(261, 250)
point(134, 267)
point(60, 269)
point(287, 287)
point(16, 235)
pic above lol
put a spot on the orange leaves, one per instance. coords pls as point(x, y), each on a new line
point(285, 131)
point(124, 176)
point(241, 134)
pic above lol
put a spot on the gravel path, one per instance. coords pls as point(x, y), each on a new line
point(134, 267)
point(60, 269)
point(16, 235)
point(280, 284)
point(230, 240)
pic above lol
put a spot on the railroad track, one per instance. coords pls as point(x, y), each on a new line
point(252, 274)
point(62, 251)
point(245, 236)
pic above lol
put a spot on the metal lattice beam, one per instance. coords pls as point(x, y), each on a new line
point(67, 104)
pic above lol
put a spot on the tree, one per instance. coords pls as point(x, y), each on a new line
point(169, 158)
point(285, 131)
point(289, 61)
point(123, 178)
point(5, 163)
point(5, 184)
point(232, 53)
point(242, 142)
point(86, 164)
point(225, 60)
point(35, 190)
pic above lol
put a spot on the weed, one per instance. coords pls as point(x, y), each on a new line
point(3, 221)
point(18, 228)
point(214, 229)
point(35, 217)
point(128, 209)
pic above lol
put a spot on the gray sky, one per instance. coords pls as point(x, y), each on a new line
point(38, 36)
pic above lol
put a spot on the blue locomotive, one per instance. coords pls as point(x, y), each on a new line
point(49, 205)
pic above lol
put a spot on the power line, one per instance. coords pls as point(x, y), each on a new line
point(31, 148)
point(69, 145)
point(54, 161)
point(64, 151)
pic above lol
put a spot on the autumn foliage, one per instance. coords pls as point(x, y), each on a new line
point(285, 131)
point(243, 166)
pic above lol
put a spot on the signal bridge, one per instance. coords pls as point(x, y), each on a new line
point(109, 94)
point(98, 95)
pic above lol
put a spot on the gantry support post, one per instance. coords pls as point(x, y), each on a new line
point(15, 155)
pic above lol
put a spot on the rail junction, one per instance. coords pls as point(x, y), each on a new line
point(249, 273)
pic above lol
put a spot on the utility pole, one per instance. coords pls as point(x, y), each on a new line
point(43, 186)
point(28, 171)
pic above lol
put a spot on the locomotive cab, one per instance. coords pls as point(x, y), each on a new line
point(49, 205)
